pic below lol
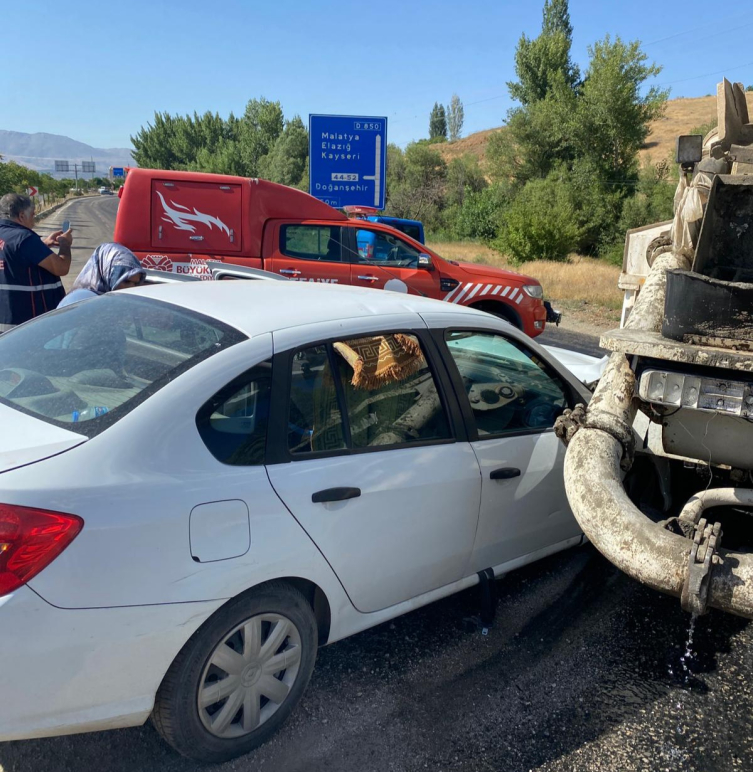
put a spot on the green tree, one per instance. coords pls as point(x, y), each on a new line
point(153, 144)
point(15, 178)
point(537, 138)
point(240, 146)
point(463, 176)
point(258, 130)
point(438, 123)
point(614, 110)
point(653, 202)
point(287, 161)
point(541, 222)
point(577, 142)
point(225, 158)
point(395, 166)
point(480, 215)
point(542, 62)
point(455, 118)
point(419, 193)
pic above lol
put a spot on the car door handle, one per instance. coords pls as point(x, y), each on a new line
point(368, 278)
point(505, 473)
point(290, 272)
point(335, 494)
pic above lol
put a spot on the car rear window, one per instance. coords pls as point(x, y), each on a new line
point(411, 230)
point(85, 366)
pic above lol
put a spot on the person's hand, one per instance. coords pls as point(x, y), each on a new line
point(52, 239)
point(65, 239)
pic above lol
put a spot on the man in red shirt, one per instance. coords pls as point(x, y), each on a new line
point(29, 270)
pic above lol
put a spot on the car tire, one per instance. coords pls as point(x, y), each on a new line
point(264, 645)
point(501, 312)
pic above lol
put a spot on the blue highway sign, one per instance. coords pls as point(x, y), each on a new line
point(118, 171)
point(348, 160)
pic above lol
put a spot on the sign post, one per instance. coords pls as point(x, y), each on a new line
point(348, 160)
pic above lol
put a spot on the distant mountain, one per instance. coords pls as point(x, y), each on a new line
point(40, 151)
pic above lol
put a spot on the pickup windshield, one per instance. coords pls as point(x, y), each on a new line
point(85, 366)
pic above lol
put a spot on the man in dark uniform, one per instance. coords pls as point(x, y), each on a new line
point(29, 270)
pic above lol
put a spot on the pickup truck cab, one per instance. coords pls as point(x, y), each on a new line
point(178, 221)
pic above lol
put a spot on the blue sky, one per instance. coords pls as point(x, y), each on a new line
point(97, 71)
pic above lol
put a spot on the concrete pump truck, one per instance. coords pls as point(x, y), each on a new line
point(659, 467)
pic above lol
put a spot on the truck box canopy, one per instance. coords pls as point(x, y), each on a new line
point(169, 211)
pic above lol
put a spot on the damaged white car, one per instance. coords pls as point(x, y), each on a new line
point(201, 483)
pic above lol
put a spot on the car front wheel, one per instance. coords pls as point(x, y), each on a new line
point(239, 677)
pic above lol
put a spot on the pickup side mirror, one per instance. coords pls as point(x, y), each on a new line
point(425, 262)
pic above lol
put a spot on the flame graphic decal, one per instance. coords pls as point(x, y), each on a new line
point(182, 220)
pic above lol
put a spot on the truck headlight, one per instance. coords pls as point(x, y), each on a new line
point(534, 290)
point(690, 391)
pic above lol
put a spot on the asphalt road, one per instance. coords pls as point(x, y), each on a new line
point(584, 670)
point(92, 219)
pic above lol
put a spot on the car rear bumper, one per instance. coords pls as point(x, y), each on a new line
point(67, 671)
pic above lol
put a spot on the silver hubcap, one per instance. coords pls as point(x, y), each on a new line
point(249, 675)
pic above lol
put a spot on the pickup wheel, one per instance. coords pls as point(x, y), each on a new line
point(239, 676)
point(501, 311)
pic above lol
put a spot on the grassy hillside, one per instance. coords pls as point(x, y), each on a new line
point(680, 117)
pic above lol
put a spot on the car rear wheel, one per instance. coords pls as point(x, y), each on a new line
point(240, 676)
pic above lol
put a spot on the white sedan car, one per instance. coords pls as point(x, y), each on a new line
point(203, 482)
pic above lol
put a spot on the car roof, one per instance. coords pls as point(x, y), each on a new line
point(388, 220)
point(256, 307)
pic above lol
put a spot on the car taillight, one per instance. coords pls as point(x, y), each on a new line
point(30, 539)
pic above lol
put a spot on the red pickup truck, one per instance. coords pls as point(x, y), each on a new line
point(177, 221)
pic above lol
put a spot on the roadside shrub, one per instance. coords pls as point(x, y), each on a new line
point(479, 216)
point(541, 223)
point(613, 253)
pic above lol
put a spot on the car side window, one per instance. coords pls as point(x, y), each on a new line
point(382, 393)
point(391, 397)
point(385, 249)
point(314, 419)
point(508, 387)
point(312, 242)
point(233, 423)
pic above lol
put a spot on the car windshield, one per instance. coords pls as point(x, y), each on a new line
point(87, 365)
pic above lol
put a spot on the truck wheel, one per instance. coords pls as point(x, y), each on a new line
point(501, 312)
point(239, 676)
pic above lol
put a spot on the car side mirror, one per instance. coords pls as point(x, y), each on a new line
point(425, 262)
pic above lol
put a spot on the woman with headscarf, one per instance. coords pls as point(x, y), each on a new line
point(111, 267)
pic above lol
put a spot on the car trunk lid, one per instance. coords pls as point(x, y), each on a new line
point(25, 440)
